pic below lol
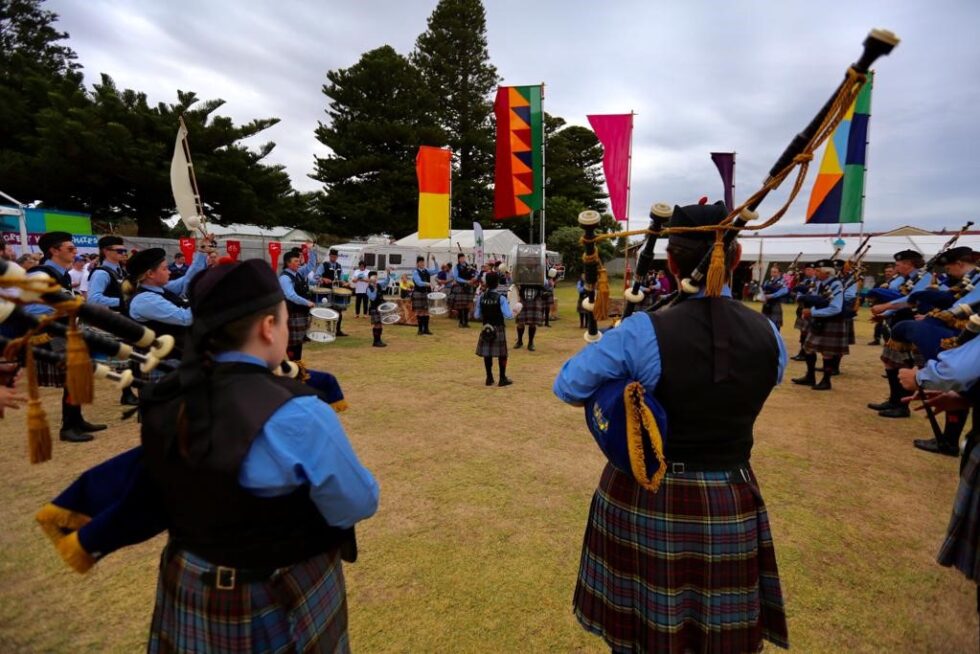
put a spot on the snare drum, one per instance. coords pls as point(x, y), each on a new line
point(389, 313)
point(339, 298)
point(321, 294)
point(437, 304)
point(323, 325)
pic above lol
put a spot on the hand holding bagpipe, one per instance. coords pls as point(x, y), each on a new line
point(660, 214)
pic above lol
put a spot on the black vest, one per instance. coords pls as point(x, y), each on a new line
point(463, 271)
point(62, 278)
point(210, 514)
point(302, 288)
point(379, 297)
point(177, 331)
point(490, 309)
point(712, 394)
point(331, 270)
point(114, 287)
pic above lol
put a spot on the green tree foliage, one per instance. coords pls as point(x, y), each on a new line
point(453, 59)
point(380, 113)
point(566, 240)
point(574, 159)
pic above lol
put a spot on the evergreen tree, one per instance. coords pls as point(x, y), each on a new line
point(380, 113)
point(455, 65)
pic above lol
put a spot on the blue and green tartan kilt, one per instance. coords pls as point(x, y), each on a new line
point(961, 548)
point(302, 608)
point(828, 337)
point(298, 323)
point(533, 312)
point(690, 568)
point(461, 297)
point(495, 348)
point(420, 302)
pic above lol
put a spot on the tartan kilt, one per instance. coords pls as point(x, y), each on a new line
point(158, 373)
point(830, 340)
point(774, 312)
point(420, 303)
point(533, 312)
point(298, 323)
point(961, 548)
point(691, 567)
point(897, 353)
point(801, 323)
point(52, 375)
point(461, 297)
point(851, 340)
point(375, 315)
point(302, 608)
point(496, 348)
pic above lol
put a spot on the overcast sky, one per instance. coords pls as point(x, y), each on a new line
point(701, 75)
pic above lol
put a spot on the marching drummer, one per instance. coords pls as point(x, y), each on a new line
point(422, 277)
point(331, 276)
point(298, 304)
point(376, 296)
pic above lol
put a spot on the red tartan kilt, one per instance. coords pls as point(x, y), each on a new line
point(298, 323)
point(302, 608)
point(533, 312)
point(689, 568)
point(828, 340)
point(496, 348)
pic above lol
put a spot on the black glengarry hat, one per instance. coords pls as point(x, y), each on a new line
point(145, 261)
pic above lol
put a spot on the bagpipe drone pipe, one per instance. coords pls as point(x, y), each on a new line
point(627, 422)
point(114, 505)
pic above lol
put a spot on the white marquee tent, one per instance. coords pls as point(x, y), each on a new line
point(496, 242)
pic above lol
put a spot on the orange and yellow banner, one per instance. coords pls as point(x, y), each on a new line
point(434, 169)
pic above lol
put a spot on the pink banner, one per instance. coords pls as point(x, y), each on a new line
point(615, 132)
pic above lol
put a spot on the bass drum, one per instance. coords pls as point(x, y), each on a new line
point(323, 325)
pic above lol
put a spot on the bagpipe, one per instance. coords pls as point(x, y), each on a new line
point(794, 265)
point(626, 421)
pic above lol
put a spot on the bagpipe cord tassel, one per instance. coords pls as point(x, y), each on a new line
point(715, 281)
point(38, 432)
point(78, 374)
point(640, 420)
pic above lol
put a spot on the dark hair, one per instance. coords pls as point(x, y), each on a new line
point(179, 254)
point(687, 254)
point(232, 336)
point(289, 256)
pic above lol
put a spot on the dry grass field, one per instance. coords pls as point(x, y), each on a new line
point(484, 497)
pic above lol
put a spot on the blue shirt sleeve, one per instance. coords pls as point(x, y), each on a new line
point(286, 284)
point(152, 306)
point(199, 265)
point(304, 444)
point(780, 293)
point(835, 306)
point(477, 314)
point(955, 369)
point(505, 308)
point(97, 284)
point(783, 358)
point(418, 279)
point(309, 266)
point(630, 351)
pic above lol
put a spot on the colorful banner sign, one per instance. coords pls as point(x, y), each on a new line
point(275, 249)
point(615, 132)
point(188, 246)
point(518, 184)
point(434, 169)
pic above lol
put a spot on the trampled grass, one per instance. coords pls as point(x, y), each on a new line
point(485, 493)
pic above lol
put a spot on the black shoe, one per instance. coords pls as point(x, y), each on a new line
point(824, 385)
point(896, 412)
point(805, 381)
point(883, 406)
point(379, 344)
point(342, 334)
point(798, 357)
point(834, 373)
point(874, 342)
point(75, 436)
point(489, 381)
point(934, 446)
point(129, 398)
point(518, 345)
point(505, 381)
point(530, 347)
point(86, 426)
point(428, 333)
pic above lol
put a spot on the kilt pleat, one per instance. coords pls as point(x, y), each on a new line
point(461, 297)
point(532, 313)
point(420, 303)
point(497, 347)
point(302, 608)
point(897, 353)
point(691, 567)
point(774, 312)
point(829, 339)
point(961, 548)
point(375, 316)
point(297, 323)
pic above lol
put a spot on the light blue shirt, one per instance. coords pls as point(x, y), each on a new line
point(781, 292)
point(286, 283)
point(372, 292)
point(39, 308)
point(850, 291)
point(955, 369)
point(418, 279)
point(98, 283)
point(629, 351)
point(179, 286)
point(504, 308)
point(836, 299)
point(153, 306)
point(921, 284)
point(304, 444)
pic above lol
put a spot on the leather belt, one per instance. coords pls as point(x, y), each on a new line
point(738, 470)
point(224, 578)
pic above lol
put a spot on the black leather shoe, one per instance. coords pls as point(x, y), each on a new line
point(824, 385)
point(896, 412)
point(489, 381)
point(85, 426)
point(342, 334)
point(505, 381)
point(934, 446)
point(530, 347)
point(518, 345)
point(75, 436)
point(428, 333)
point(805, 381)
point(874, 342)
point(882, 406)
point(129, 398)
point(834, 373)
point(798, 357)
point(379, 344)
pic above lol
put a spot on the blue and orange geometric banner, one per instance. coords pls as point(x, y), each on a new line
point(518, 183)
point(838, 192)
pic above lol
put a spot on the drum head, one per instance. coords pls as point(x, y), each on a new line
point(438, 311)
point(342, 291)
point(387, 307)
point(324, 314)
point(433, 297)
point(321, 337)
point(390, 318)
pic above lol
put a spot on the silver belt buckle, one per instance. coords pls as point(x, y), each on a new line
point(677, 468)
point(224, 578)
point(744, 474)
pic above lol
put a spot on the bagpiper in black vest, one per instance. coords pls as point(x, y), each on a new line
point(62, 278)
point(719, 363)
point(490, 309)
point(424, 274)
point(114, 287)
point(302, 288)
point(210, 514)
point(177, 331)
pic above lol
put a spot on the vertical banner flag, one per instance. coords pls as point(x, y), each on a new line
point(838, 192)
point(615, 132)
point(725, 163)
point(434, 169)
point(304, 250)
point(275, 248)
point(188, 246)
point(479, 256)
point(234, 249)
point(518, 184)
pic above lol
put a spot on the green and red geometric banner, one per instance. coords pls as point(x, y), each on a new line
point(518, 183)
point(838, 192)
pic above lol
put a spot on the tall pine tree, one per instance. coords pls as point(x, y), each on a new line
point(380, 112)
point(455, 64)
